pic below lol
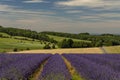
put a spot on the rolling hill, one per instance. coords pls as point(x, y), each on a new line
point(9, 43)
point(14, 39)
point(58, 38)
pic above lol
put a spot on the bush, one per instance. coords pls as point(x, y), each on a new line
point(53, 46)
point(27, 48)
point(4, 51)
point(1, 35)
point(47, 47)
point(15, 49)
point(45, 43)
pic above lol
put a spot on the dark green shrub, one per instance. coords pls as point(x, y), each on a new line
point(53, 46)
point(27, 48)
point(47, 47)
point(15, 49)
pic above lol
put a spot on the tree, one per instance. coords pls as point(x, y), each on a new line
point(15, 49)
point(47, 46)
point(1, 26)
point(1, 35)
point(70, 43)
point(84, 33)
point(66, 43)
point(27, 33)
point(27, 48)
point(99, 44)
point(53, 46)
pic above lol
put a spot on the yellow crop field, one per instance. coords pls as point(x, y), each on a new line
point(112, 49)
point(60, 51)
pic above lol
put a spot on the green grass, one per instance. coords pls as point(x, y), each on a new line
point(77, 77)
point(112, 49)
point(8, 44)
point(4, 34)
point(23, 38)
point(57, 38)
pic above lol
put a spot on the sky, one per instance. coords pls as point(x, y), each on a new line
point(73, 16)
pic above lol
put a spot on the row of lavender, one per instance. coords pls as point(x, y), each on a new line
point(96, 67)
point(55, 69)
point(91, 67)
point(19, 66)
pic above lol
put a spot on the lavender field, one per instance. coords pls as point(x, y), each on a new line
point(55, 67)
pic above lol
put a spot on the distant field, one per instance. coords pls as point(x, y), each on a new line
point(20, 37)
point(112, 49)
point(60, 51)
point(57, 38)
point(8, 44)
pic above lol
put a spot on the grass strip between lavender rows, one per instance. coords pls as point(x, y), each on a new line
point(38, 71)
point(73, 72)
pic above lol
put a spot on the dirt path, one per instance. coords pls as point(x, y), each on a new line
point(103, 49)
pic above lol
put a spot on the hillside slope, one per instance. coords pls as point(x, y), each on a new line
point(9, 44)
point(58, 38)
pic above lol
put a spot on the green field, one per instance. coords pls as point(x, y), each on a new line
point(57, 38)
point(15, 37)
point(4, 34)
point(24, 43)
point(8, 44)
point(22, 38)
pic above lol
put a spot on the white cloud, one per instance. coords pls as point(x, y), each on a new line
point(74, 11)
point(103, 17)
point(33, 20)
point(26, 21)
point(5, 8)
point(33, 1)
point(80, 2)
point(106, 4)
point(12, 9)
point(49, 23)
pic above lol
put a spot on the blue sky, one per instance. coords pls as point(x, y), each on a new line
point(75, 16)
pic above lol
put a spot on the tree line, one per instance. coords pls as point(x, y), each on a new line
point(27, 33)
point(69, 43)
point(93, 40)
point(96, 40)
